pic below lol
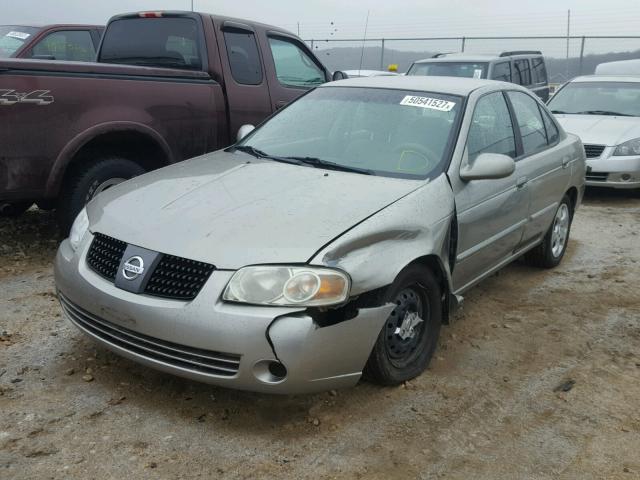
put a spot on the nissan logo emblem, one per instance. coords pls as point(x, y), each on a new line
point(132, 268)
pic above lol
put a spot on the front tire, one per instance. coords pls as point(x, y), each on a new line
point(410, 334)
point(88, 180)
point(550, 252)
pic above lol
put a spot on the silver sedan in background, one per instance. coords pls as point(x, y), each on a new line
point(334, 239)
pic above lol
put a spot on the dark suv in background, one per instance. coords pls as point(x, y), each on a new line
point(523, 67)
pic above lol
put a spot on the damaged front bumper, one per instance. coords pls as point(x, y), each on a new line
point(235, 346)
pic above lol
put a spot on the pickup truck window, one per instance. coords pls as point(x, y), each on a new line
point(170, 42)
point(244, 57)
point(294, 68)
point(73, 45)
point(12, 37)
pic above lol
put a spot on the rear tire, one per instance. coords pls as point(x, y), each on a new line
point(12, 210)
point(90, 179)
point(550, 252)
point(406, 344)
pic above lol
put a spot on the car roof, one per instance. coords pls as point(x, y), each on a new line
point(607, 78)
point(450, 85)
point(365, 73)
point(476, 57)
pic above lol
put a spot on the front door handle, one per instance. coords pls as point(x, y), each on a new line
point(281, 104)
point(522, 181)
point(565, 162)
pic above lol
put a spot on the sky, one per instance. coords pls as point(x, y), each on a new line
point(321, 19)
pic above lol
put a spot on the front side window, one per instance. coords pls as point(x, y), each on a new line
point(502, 72)
point(294, 67)
point(12, 37)
point(530, 122)
point(491, 129)
point(450, 69)
point(244, 57)
point(73, 45)
point(539, 70)
point(524, 72)
point(598, 98)
point(392, 133)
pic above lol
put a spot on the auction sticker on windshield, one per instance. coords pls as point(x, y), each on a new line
point(427, 102)
point(20, 35)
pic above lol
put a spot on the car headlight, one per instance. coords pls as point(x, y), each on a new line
point(632, 147)
point(78, 229)
point(288, 286)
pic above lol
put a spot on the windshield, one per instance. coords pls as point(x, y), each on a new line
point(450, 69)
point(383, 132)
point(12, 37)
point(598, 98)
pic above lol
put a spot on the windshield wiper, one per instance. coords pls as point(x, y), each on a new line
point(319, 163)
point(260, 154)
point(604, 112)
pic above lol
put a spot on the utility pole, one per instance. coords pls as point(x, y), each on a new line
point(192, 5)
point(298, 29)
point(568, 37)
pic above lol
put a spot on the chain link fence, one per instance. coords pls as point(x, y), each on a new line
point(566, 57)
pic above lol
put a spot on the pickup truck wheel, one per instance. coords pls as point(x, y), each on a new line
point(410, 334)
point(84, 184)
point(14, 209)
point(550, 252)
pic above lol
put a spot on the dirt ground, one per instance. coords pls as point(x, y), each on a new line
point(491, 405)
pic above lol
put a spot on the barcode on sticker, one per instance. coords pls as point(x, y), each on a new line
point(426, 102)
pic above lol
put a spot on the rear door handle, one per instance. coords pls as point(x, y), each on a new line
point(565, 162)
point(522, 181)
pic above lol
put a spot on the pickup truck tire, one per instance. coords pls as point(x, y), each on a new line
point(14, 209)
point(410, 334)
point(84, 184)
point(550, 252)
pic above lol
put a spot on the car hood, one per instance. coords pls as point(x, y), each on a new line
point(232, 210)
point(601, 129)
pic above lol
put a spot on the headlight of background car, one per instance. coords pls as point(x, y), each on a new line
point(632, 147)
point(78, 229)
point(288, 286)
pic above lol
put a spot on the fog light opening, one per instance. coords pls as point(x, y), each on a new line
point(270, 371)
point(277, 369)
point(626, 177)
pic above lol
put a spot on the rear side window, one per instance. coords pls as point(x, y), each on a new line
point(539, 70)
point(168, 42)
point(73, 45)
point(529, 120)
point(552, 130)
point(524, 71)
point(502, 72)
point(491, 129)
point(294, 67)
point(244, 57)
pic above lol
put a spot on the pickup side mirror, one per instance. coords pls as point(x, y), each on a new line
point(488, 166)
point(243, 131)
point(339, 75)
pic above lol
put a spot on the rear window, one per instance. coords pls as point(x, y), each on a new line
point(153, 42)
point(449, 69)
point(539, 70)
point(244, 57)
point(522, 72)
point(12, 37)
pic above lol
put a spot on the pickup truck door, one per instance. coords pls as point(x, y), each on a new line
point(292, 69)
point(245, 79)
point(491, 213)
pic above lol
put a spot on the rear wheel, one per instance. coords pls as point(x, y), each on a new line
point(550, 252)
point(14, 209)
point(89, 180)
point(410, 334)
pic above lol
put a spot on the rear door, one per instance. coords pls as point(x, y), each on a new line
point(292, 68)
point(539, 77)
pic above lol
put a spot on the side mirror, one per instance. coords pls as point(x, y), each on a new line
point(339, 75)
point(488, 166)
point(243, 131)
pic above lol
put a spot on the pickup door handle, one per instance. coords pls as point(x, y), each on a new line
point(522, 181)
point(281, 104)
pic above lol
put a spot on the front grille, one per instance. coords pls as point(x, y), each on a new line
point(188, 358)
point(597, 176)
point(174, 277)
point(179, 278)
point(593, 151)
point(105, 254)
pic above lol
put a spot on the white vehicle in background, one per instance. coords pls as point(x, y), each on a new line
point(622, 67)
point(368, 73)
point(604, 111)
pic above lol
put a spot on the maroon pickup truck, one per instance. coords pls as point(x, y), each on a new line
point(167, 86)
point(78, 43)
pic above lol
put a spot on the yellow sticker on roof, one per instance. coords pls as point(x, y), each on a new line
point(427, 102)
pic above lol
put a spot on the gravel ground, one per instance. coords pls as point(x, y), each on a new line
point(491, 406)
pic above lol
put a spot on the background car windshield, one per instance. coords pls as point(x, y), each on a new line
point(12, 37)
point(390, 132)
point(594, 97)
point(450, 69)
